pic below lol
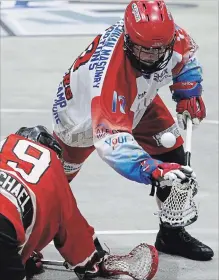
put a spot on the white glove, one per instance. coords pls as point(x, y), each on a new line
point(166, 173)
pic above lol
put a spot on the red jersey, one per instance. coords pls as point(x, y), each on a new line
point(35, 196)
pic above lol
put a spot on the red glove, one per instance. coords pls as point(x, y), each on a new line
point(164, 176)
point(166, 173)
point(189, 102)
point(194, 108)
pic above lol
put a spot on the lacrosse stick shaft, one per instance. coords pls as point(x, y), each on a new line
point(55, 263)
point(188, 146)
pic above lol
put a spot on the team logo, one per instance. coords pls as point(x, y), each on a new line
point(142, 94)
point(160, 76)
point(135, 12)
point(119, 140)
point(102, 130)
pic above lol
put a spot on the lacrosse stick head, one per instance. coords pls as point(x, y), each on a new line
point(180, 209)
point(140, 264)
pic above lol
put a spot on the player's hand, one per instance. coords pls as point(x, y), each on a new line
point(166, 173)
point(34, 265)
point(194, 108)
point(188, 96)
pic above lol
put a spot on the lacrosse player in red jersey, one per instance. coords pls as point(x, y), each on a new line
point(37, 206)
point(108, 100)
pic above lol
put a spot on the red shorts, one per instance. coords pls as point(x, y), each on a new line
point(156, 121)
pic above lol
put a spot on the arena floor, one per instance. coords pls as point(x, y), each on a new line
point(121, 211)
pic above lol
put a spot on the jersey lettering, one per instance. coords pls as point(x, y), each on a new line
point(87, 54)
point(37, 157)
point(12, 189)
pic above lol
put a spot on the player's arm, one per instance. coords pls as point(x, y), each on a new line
point(74, 239)
point(112, 131)
point(114, 141)
point(187, 77)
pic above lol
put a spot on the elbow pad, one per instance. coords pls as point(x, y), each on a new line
point(187, 84)
point(185, 90)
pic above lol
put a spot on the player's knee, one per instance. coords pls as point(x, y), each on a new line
point(11, 266)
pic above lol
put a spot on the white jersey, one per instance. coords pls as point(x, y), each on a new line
point(102, 97)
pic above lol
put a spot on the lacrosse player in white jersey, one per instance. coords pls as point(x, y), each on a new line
point(108, 100)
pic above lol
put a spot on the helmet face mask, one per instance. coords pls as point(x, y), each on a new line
point(149, 35)
point(148, 60)
point(148, 56)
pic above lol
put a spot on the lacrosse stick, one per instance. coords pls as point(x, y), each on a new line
point(188, 146)
point(55, 263)
point(179, 209)
point(140, 264)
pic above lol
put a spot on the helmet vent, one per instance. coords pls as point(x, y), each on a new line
point(145, 8)
point(159, 4)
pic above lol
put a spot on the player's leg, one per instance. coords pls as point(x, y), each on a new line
point(179, 241)
point(75, 243)
point(156, 121)
point(11, 266)
point(73, 157)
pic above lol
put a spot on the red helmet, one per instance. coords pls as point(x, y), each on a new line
point(149, 35)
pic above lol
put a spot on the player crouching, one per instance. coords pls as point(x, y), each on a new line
point(37, 206)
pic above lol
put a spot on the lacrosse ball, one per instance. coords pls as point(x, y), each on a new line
point(168, 140)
